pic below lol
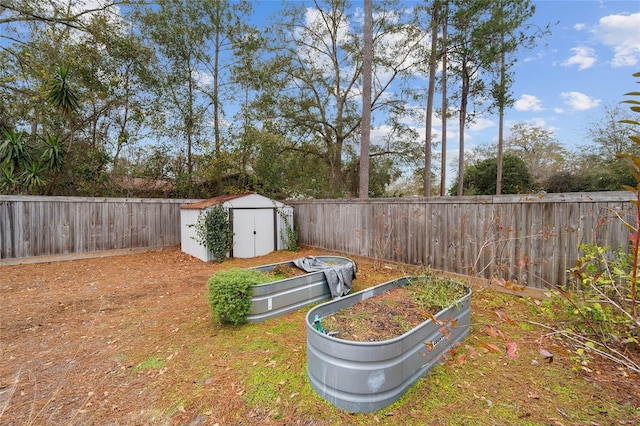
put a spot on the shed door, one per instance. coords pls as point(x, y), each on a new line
point(254, 232)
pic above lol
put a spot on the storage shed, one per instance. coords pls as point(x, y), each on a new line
point(259, 225)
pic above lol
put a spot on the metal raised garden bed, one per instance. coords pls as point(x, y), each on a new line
point(279, 297)
point(368, 376)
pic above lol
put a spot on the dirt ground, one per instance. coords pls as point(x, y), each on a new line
point(73, 335)
point(67, 330)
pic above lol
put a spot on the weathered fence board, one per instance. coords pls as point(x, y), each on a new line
point(533, 238)
point(46, 226)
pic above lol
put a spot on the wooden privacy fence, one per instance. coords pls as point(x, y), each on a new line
point(43, 226)
point(532, 238)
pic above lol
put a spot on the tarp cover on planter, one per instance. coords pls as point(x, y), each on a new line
point(339, 277)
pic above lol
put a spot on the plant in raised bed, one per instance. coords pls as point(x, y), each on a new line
point(369, 359)
point(230, 291)
point(397, 311)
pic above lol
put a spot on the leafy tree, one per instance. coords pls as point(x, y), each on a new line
point(603, 174)
point(196, 43)
point(480, 178)
point(509, 18)
point(231, 41)
point(599, 166)
point(610, 134)
point(316, 68)
point(295, 173)
point(470, 53)
point(434, 23)
point(79, 102)
point(484, 34)
point(179, 35)
point(539, 149)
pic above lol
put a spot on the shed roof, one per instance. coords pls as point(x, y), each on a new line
point(199, 205)
point(247, 200)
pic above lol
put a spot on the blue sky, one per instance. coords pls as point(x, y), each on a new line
point(563, 84)
point(585, 64)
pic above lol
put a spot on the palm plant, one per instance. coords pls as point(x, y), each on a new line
point(13, 150)
point(8, 179)
point(52, 157)
point(31, 175)
point(53, 154)
point(63, 96)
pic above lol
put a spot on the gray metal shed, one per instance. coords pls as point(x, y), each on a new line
point(259, 225)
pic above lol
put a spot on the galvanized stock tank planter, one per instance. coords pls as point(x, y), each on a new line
point(368, 376)
point(279, 297)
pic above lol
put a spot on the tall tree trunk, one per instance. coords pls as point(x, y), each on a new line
point(430, 95)
point(462, 118)
point(365, 126)
point(501, 122)
point(216, 101)
point(445, 106)
point(189, 129)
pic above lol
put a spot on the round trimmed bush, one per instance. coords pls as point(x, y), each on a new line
point(230, 293)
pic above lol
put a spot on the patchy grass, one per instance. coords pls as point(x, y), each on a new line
point(154, 362)
point(153, 355)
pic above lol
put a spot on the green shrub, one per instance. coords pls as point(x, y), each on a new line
point(601, 308)
point(230, 293)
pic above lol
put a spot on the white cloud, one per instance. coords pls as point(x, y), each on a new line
point(528, 103)
point(579, 101)
point(535, 57)
point(583, 57)
point(480, 124)
point(579, 27)
point(622, 34)
point(541, 122)
point(202, 77)
point(380, 134)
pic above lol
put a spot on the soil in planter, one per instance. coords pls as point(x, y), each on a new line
point(283, 271)
point(393, 313)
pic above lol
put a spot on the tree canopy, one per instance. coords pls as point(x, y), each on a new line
point(480, 178)
point(187, 99)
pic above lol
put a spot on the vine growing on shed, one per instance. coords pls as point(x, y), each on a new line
point(213, 230)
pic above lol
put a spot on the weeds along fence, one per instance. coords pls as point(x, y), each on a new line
point(531, 239)
point(45, 226)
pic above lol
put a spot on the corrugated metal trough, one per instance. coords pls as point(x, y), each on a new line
point(279, 297)
point(368, 376)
